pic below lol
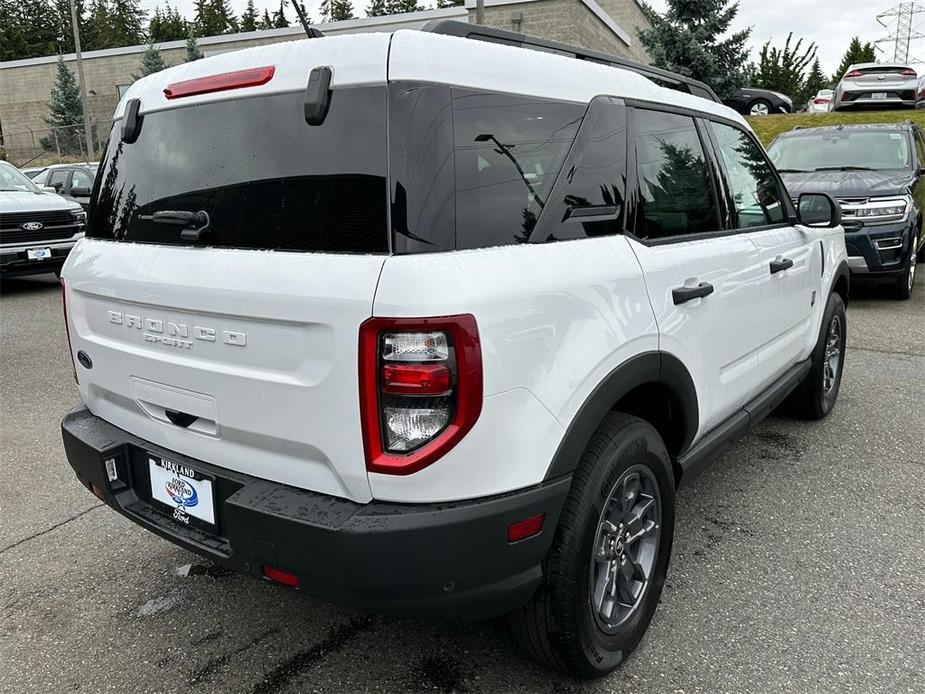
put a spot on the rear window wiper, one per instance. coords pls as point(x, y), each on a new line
point(195, 223)
point(844, 168)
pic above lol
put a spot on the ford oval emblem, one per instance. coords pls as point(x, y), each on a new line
point(31, 226)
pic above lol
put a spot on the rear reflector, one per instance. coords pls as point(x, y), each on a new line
point(280, 576)
point(252, 77)
point(528, 527)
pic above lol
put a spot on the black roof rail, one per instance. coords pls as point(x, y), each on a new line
point(661, 77)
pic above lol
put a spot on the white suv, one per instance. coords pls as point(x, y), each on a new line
point(420, 323)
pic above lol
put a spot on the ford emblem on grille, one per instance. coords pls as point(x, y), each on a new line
point(31, 226)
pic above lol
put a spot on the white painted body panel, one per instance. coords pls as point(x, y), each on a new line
point(554, 319)
point(284, 406)
point(717, 338)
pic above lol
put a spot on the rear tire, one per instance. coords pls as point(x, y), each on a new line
point(815, 397)
point(601, 586)
point(759, 107)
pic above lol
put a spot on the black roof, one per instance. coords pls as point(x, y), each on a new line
point(661, 77)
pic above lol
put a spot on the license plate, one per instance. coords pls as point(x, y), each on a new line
point(38, 253)
point(878, 96)
point(187, 492)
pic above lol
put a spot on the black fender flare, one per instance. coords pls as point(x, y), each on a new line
point(648, 367)
point(841, 271)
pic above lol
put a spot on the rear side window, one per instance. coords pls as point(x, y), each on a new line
point(756, 195)
point(473, 169)
point(265, 178)
point(675, 189)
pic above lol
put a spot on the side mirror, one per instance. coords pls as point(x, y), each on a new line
point(48, 189)
point(818, 210)
point(80, 192)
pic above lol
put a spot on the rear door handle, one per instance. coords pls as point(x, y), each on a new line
point(682, 295)
point(781, 265)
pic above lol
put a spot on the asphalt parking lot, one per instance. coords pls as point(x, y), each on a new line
point(798, 566)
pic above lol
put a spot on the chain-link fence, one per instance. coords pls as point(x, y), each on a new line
point(43, 146)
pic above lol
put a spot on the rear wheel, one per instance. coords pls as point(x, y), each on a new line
point(605, 571)
point(759, 107)
point(815, 397)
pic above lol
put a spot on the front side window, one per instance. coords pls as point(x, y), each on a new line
point(756, 195)
point(675, 189)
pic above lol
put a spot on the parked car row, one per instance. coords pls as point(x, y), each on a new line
point(877, 175)
point(42, 216)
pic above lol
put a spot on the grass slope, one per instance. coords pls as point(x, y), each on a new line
point(769, 127)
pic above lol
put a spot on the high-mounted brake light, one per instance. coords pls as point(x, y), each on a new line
point(252, 77)
point(420, 389)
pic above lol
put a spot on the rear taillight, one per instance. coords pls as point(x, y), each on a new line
point(420, 389)
point(67, 331)
point(820, 100)
point(252, 77)
point(909, 72)
point(855, 73)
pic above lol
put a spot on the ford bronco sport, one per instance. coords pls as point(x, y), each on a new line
point(421, 323)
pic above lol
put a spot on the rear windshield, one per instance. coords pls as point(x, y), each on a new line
point(876, 150)
point(883, 70)
point(263, 176)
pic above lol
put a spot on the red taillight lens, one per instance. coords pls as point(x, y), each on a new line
point(67, 331)
point(528, 527)
point(820, 100)
point(238, 79)
point(420, 389)
point(909, 72)
point(855, 73)
point(416, 379)
point(280, 576)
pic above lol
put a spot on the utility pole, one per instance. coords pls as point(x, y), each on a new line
point(479, 11)
point(82, 82)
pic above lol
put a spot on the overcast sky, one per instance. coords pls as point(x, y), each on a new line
point(830, 23)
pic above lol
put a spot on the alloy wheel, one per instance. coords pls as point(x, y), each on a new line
point(832, 362)
point(759, 109)
point(625, 548)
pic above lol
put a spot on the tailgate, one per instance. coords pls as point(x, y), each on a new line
point(260, 348)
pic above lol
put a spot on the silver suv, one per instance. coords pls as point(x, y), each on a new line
point(877, 84)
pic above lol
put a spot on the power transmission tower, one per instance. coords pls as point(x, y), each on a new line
point(905, 33)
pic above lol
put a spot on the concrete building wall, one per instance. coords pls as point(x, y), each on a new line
point(25, 85)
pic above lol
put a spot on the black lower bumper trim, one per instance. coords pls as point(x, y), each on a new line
point(449, 560)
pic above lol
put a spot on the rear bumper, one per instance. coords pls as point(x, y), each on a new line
point(450, 560)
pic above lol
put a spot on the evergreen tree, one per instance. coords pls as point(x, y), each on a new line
point(249, 17)
point(336, 10)
point(192, 49)
point(784, 70)
point(167, 25)
point(687, 39)
point(13, 40)
point(377, 8)
point(126, 23)
point(815, 81)
point(449, 3)
point(279, 17)
point(65, 113)
point(265, 22)
point(401, 6)
point(214, 17)
point(151, 61)
point(857, 53)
